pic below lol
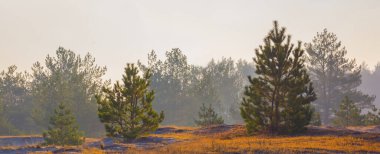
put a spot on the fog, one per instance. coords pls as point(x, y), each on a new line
point(119, 31)
point(198, 52)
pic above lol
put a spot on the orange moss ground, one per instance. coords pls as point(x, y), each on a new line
point(236, 141)
point(272, 144)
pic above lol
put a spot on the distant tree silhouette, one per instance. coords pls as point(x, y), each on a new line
point(316, 119)
point(182, 87)
point(348, 114)
point(333, 75)
point(69, 78)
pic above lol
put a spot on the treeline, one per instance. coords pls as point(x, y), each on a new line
point(28, 99)
point(289, 86)
point(181, 88)
point(370, 78)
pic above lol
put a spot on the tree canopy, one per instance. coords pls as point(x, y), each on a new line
point(126, 109)
point(333, 75)
point(278, 99)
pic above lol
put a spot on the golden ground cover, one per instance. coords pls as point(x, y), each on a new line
point(272, 144)
point(236, 141)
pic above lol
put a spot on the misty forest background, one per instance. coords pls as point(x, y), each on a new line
point(28, 99)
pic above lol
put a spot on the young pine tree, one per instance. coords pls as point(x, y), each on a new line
point(208, 117)
point(316, 119)
point(63, 129)
point(348, 114)
point(372, 117)
point(126, 109)
point(278, 98)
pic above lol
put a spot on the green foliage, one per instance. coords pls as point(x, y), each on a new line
point(208, 117)
point(278, 98)
point(348, 114)
point(126, 109)
point(372, 117)
point(333, 75)
point(172, 80)
point(6, 128)
point(72, 79)
point(221, 82)
point(370, 81)
point(63, 129)
point(316, 119)
point(15, 102)
point(182, 87)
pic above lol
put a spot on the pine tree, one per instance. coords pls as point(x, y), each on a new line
point(15, 102)
point(208, 117)
point(372, 117)
point(279, 96)
point(348, 114)
point(316, 119)
point(126, 109)
point(6, 128)
point(70, 78)
point(333, 75)
point(173, 78)
point(63, 129)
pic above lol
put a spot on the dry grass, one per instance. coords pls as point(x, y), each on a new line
point(236, 140)
point(44, 152)
point(178, 136)
point(17, 147)
point(21, 136)
point(180, 127)
point(92, 151)
point(272, 144)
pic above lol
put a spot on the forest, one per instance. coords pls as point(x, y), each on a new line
point(180, 87)
point(285, 88)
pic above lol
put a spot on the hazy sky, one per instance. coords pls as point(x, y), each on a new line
point(121, 31)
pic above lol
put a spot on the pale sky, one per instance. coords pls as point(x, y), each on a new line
point(119, 31)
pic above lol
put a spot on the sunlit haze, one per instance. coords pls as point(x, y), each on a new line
point(121, 31)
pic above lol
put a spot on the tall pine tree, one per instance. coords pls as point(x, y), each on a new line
point(279, 96)
point(126, 109)
point(333, 75)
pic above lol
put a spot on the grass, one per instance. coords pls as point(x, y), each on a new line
point(237, 141)
point(179, 127)
point(178, 136)
point(92, 151)
point(272, 144)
